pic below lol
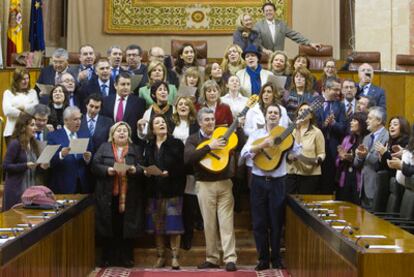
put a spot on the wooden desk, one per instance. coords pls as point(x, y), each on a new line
point(314, 248)
point(63, 245)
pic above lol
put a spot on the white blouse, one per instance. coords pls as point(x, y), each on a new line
point(11, 104)
point(236, 104)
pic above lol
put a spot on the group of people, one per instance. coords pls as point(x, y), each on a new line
point(155, 129)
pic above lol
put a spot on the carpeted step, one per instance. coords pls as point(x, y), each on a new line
point(244, 238)
point(147, 256)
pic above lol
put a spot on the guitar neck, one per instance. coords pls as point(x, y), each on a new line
point(233, 126)
point(286, 132)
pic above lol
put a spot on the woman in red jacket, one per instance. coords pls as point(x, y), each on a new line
point(210, 98)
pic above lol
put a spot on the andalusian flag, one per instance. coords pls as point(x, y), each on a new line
point(15, 30)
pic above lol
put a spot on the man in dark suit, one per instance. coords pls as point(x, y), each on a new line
point(123, 106)
point(68, 171)
point(332, 121)
point(101, 83)
point(366, 88)
point(115, 59)
point(273, 32)
point(96, 125)
point(41, 113)
point(133, 55)
point(85, 70)
point(51, 74)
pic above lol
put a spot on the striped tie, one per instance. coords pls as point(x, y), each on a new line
point(349, 111)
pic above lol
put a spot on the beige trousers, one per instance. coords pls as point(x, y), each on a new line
point(216, 204)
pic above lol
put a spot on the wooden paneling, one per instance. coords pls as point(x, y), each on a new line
point(315, 248)
point(68, 250)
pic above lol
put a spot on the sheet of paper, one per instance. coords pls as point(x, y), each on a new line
point(78, 146)
point(278, 81)
point(45, 89)
point(47, 154)
point(121, 167)
point(394, 247)
point(371, 236)
point(135, 80)
point(153, 170)
point(186, 91)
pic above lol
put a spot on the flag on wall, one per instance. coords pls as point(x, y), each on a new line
point(15, 30)
point(36, 35)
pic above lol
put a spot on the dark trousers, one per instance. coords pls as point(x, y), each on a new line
point(299, 184)
point(267, 200)
point(191, 217)
point(116, 249)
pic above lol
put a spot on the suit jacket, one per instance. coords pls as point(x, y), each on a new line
point(377, 93)
point(67, 172)
point(370, 163)
point(47, 75)
point(281, 31)
point(92, 86)
point(134, 110)
point(101, 132)
point(335, 133)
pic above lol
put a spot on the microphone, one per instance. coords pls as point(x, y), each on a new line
point(351, 229)
point(366, 245)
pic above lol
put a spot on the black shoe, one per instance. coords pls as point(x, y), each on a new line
point(278, 265)
point(199, 225)
point(231, 266)
point(128, 263)
point(186, 244)
point(261, 266)
point(207, 265)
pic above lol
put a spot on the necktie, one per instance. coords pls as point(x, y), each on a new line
point(371, 141)
point(103, 90)
point(90, 70)
point(120, 111)
point(365, 90)
point(327, 108)
point(114, 73)
point(71, 100)
point(38, 133)
point(58, 77)
point(91, 126)
point(349, 110)
point(72, 135)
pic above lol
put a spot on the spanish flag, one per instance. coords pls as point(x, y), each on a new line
point(15, 30)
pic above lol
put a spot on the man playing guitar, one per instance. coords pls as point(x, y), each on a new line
point(267, 194)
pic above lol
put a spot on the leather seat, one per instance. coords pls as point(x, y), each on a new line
point(316, 58)
point(199, 45)
point(372, 58)
point(404, 62)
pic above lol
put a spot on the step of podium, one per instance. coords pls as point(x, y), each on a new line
point(146, 257)
point(244, 238)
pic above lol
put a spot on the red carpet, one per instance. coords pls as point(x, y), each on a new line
point(136, 272)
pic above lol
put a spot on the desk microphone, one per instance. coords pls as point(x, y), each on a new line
point(351, 229)
point(366, 245)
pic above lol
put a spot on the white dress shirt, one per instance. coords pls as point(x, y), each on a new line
point(353, 103)
point(255, 119)
point(236, 104)
point(248, 155)
point(272, 28)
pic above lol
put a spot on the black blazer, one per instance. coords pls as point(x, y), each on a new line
point(101, 132)
point(92, 86)
point(169, 157)
point(134, 110)
point(47, 75)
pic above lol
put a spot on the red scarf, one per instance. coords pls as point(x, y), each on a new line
point(120, 181)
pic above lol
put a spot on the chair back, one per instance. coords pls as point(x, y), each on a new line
point(394, 199)
point(199, 45)
point(317, 58)
point(407, 204)
point(404, 62)
point(359, 58)
point(379, 203)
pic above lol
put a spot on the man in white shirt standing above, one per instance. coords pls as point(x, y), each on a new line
point(273, 32)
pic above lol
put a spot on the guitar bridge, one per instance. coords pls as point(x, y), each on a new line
point(217, 157)
point(266, 154)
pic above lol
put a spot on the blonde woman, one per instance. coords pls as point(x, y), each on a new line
point(119, 196)
point(157, 72)
point(245, 35)
point(17, 99)
point(232, 61)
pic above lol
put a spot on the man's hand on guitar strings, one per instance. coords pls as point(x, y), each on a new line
point(216, 144)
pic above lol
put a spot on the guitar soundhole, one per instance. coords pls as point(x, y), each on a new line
point(278, 141)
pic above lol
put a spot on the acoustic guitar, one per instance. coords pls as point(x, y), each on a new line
point(269, 158)
point(216, 160)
